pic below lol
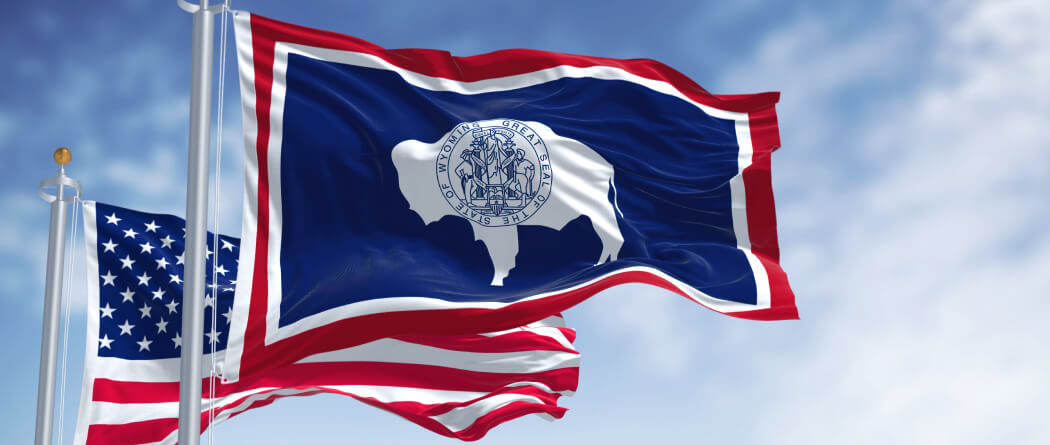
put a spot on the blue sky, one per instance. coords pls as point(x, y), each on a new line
point(911, 192)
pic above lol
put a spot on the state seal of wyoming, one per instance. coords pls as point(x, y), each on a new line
point(494, 172)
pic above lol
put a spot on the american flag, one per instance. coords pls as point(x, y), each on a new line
point(458, 386)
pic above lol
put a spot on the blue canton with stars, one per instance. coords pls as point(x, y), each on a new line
point(140, 265)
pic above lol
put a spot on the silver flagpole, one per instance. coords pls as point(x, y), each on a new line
point(56, 245)
point(196, 229)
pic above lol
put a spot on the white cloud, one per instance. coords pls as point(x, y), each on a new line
point(923, 278)
point(915, 239)
point(814, 66)
point(152, 178)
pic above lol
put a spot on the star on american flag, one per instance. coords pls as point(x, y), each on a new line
point(140, 282)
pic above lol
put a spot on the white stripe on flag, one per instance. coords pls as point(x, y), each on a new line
point(389, 350)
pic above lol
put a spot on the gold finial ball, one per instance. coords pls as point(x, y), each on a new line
point(63, 156)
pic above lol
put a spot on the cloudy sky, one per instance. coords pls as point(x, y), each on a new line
point(913, 193)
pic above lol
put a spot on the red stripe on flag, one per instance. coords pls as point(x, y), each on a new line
point(758, 182)
point(762, 216)
point(507, 342)
point(417, 376)
point(305, 375)
point(147, 431)
point(255, 331)
point(118, 391)
point(436, 63)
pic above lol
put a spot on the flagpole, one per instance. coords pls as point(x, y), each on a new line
point(196, 229)
point(56, 244)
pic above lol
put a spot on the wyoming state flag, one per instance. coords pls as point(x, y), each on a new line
point(411, 191)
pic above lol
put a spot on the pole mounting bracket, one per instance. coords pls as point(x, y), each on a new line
point(193, 8)
point(54, 182)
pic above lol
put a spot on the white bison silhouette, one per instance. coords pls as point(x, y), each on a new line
point(581, 187)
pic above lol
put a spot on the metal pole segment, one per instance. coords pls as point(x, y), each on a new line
point(196, 229)
point(56, 243)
